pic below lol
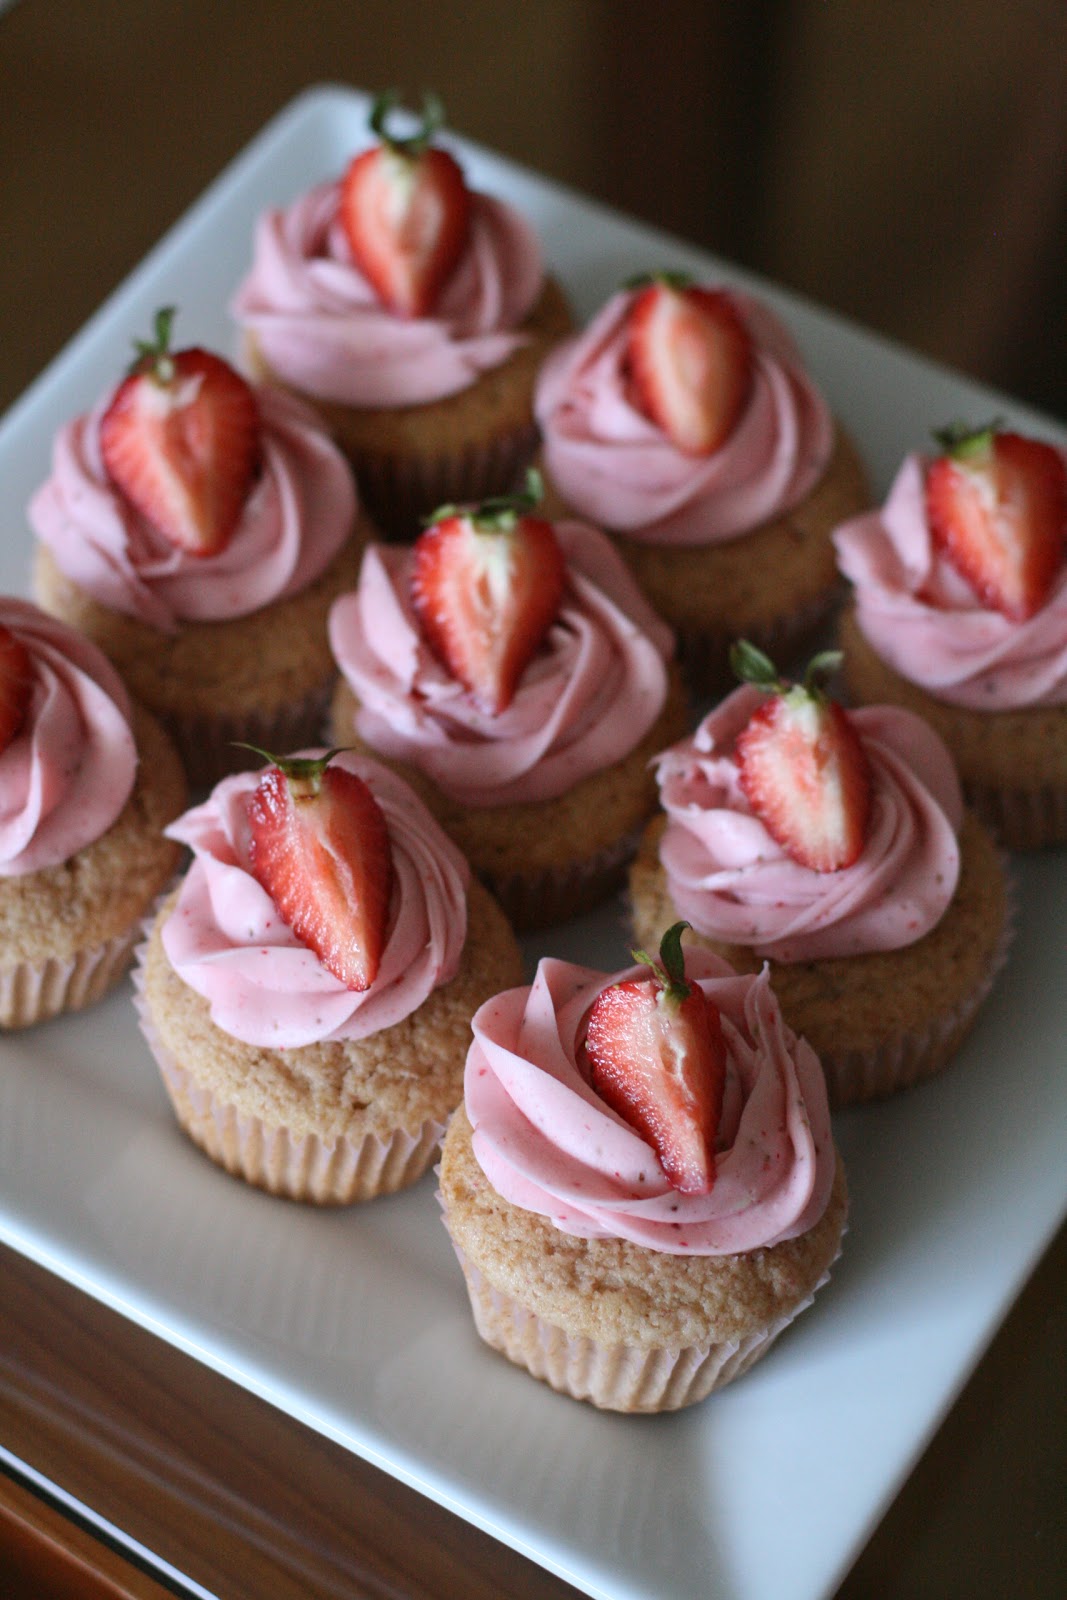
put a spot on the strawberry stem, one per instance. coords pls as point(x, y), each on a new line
point(669, 970)
point(670, 280)
point(963, 443)
point(433, 116)
point(750, 665)
point(302, 773)
point(500, 513)
point(154, 357)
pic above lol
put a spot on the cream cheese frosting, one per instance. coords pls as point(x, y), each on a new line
point(615, 466)
point(926, 622)
point(297, 516)
point(70, 768)
point(226, 939)
point(735, 884)
point(589, 696)
point(321, 327)
point(548, 1143)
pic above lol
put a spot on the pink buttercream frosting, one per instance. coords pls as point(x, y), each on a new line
point(322, 328)
point(926, 621)
point(226, 939)
point(299, 513)
point(615, 466)
point(589, 696)
point(69, 770)
point(729, 878)
point(548, 1143)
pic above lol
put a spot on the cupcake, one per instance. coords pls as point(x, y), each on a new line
point(511, 670)
point(414, 312)
point(198, 531)
point(682, 421)
point(641, 1185)
point(835, 847)
point(308, 988)
point(87, 783)
point(959, 612)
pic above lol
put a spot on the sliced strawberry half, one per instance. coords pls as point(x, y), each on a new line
point(996, 503)
point(180, 439)
point(690, 361)
point(656, 1053)
point(16, 685)
point(486, 586)
point(405, 208)
point(802, 767)
point(320, 847)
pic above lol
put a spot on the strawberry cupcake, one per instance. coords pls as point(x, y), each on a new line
point(959, 612)
point(682, 420)
point(835, 847)
point(414, 312)
point(307, 990)
point(87, 784)
point(511, 670)
point(641, 1185)
point(198, 532)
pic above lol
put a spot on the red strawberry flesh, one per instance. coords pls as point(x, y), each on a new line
point(16, 685)
point(405, 208)
point(180, 439)
point(320, 848)
point(997, 508)
point(690, 359)
point(485, 597)
point(657, 1056)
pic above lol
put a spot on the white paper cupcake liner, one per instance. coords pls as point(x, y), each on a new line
point(272, 1157)
point(629, 1378)
point(856, 1076)
point(33, 992)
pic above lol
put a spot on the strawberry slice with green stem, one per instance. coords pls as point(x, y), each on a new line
point(690, 361)
point(801, 764)
point(486, 586)
point(405, 209)
point(180, 439)
point(319, 845)
point(656, 1054)
point(996, 503)
point(16, 685)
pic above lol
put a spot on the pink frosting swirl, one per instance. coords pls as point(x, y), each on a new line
point(298, 515)
point(322, 328)
point(589, 696)
point(68, 772)
point(548, 1143)
point(226, 939)
point(729, 878)
point(926, 622)
point(619, 469)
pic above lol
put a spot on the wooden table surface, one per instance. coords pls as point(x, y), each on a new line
point(112, 119)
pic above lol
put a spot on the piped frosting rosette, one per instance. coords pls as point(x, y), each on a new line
point(298, 515)
point(926, 622)
point(734, 883)
point(68, 772)
point(321, 327)
point(227, 941)
point(618, 468)
point(590, 695)
point(549, 1144)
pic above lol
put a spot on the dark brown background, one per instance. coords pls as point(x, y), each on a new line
point(903, 163)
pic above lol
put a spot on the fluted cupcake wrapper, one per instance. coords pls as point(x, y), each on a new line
point(704, 653)
point(629, 1378)
point(1021, 819)
point(538, 900)
point(400, 491)
point(854, 1077)
point(33, 992)
point(209, 745)
point(273, 1157)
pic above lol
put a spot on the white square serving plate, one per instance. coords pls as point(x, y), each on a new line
point(356, 1321)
